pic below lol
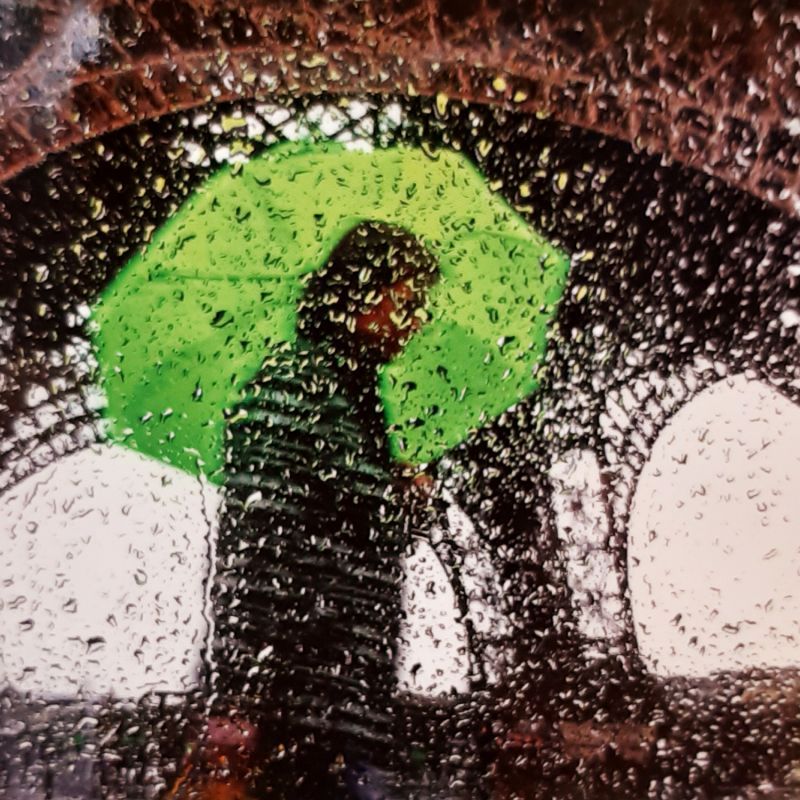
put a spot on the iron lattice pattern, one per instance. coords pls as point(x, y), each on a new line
point(710, 84)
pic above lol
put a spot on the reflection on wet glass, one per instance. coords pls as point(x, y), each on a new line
point(360, 447)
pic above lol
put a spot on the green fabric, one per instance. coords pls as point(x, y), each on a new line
point(185, 324)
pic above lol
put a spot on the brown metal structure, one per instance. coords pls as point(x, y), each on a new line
point(713, 84)
point(710, 84)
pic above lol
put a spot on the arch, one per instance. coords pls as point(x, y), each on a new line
point(472, 53)
point(109, 553)
point(712, 551)
point(189, 321)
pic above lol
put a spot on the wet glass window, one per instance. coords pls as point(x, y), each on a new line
point(368, 442)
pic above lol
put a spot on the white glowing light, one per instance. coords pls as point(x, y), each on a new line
point(713, 554)
point(104, 562)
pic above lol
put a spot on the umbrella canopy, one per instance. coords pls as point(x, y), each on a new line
point(189, 321)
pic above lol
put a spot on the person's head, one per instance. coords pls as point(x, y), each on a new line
point(369, 298)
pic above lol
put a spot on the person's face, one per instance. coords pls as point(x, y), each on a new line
point(387, 324)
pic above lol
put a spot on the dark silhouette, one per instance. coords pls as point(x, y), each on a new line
point(307, 591)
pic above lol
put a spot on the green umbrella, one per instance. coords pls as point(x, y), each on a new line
point(187, 323)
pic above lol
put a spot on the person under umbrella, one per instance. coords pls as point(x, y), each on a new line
point(307, 591)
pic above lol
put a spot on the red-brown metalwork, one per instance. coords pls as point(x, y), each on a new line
point(711, 84)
